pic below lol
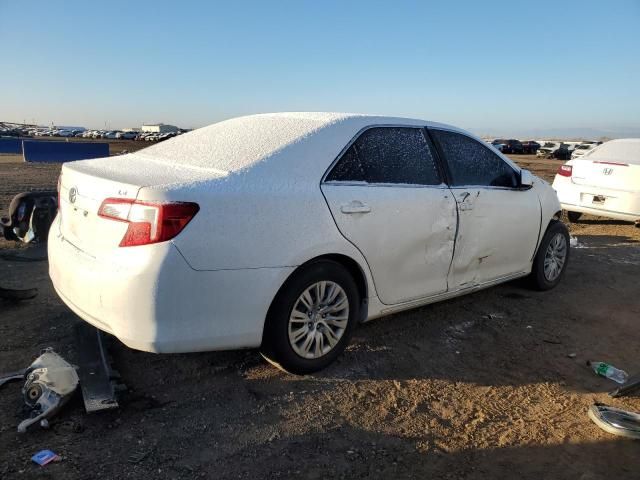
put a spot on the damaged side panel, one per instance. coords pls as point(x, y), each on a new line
point(497, 233)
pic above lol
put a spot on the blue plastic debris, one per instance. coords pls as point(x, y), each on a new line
point(45, 456)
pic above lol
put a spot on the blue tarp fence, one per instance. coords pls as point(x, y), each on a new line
point(59, 152)
point(11, 145)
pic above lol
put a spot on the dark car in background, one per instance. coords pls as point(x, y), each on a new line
point(510, 146)
point(530, 147)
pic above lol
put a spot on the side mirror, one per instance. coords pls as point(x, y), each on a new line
point(526, 179)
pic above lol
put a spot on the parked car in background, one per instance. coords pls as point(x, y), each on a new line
point(127, 135)
point(284, 231)
point(497, 146)
point(583, 148)
point(603, 181)
point(509, 146)
point(557, 150)
point(530, 147)
point(111, 134)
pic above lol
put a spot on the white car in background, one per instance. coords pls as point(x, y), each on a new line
point(605, 181)
point(583, 148)
point(283, 231)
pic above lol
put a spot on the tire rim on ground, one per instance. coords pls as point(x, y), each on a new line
point(318, 319)
point(555, 257)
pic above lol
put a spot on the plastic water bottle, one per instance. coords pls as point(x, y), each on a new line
point(609, 371)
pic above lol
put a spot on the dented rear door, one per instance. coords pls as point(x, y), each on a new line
point(387, 197)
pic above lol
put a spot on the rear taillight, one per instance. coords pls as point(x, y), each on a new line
point(148, 222)
point(565, 170)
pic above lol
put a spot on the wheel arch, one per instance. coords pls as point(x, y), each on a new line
point(351, 265)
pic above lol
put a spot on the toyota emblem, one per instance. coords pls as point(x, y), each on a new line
point(73, 193)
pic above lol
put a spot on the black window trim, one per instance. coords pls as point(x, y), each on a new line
point(445, 163)
point(436, 157)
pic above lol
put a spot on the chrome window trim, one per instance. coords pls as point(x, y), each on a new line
point(324, 181)
point(484, 187)
point(337, 183)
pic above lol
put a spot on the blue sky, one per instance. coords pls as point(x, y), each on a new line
point(491, 66)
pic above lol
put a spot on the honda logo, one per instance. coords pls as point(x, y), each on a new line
point(607, 171)
point(73, 193)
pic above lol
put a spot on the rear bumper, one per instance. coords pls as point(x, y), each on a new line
point(152, 300)
point(619, 205)
point(600, 212)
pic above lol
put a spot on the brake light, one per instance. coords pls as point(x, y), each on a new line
point(148, 222)
point(565, 170)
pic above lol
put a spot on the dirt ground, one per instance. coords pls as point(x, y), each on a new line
point(477, 387)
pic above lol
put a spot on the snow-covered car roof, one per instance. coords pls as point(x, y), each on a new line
point(625, 150)
point(284, 147)
point(240, 143)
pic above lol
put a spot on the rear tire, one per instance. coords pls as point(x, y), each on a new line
point(574, 216)
point(312, 318)
point(552, 257)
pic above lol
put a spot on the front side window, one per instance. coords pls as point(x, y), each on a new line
point(388, 155)
point(472, 163)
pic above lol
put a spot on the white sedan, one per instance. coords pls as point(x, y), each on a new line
point(284, 231)
point(605, 181)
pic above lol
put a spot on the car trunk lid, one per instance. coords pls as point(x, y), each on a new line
point(84, 185)
point(612, 175)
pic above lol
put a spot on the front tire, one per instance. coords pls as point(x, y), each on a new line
point(552, 257)
point(574, 216)
point(312, 318)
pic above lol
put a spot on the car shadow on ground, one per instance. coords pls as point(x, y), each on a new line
point(350, 452)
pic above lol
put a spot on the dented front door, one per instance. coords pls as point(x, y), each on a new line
point(497, 234)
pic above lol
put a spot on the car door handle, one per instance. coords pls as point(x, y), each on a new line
point(355, 207)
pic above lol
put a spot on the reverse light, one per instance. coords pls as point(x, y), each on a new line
point(148, 222)
point(565, 170)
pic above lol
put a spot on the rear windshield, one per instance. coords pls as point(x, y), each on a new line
point(624, 151)
point(239, 143)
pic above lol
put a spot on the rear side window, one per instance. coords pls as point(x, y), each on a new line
point(348, 168)
point(472, 163)
point(391, 155)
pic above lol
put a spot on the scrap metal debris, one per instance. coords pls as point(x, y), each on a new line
point(9, 377)
point(30, 216)
point(97, 378)
point(632, 384)
point(615, 420)
point(50, 382)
